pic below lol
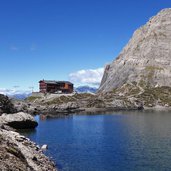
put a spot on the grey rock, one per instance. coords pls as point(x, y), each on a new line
point(19, 153)
point(44, 147)
point(19, 120)
point(69, 106)
point(27, 107)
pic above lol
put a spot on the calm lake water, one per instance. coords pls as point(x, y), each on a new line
point(135, 141)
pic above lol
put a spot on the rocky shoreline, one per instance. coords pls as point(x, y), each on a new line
point(18, 153)
point(92, 103)
point(75, 103)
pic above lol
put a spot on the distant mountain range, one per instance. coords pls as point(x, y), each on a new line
point(17, 94)
point(86, 89)
point(20, 96)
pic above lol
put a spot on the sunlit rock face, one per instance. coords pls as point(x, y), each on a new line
point(146, 59)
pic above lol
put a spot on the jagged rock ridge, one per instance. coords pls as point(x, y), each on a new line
point(146, 59)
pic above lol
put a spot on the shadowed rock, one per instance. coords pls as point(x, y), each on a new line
point(19, 120)
point(5, 105)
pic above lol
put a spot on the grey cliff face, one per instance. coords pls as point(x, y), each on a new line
point(145, 59)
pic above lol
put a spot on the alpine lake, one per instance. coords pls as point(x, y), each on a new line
point(115, 141)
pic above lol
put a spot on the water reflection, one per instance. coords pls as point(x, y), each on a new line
point(28, 132)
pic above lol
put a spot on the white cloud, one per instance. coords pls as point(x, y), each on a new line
point(88, 77)
point(11, 92)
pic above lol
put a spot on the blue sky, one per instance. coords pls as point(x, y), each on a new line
point(53, 39)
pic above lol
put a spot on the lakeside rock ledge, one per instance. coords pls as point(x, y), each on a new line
point(19, 153)
point(19, 120)
point(16, 151)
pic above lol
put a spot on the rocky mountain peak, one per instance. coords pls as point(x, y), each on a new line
point(146, 59)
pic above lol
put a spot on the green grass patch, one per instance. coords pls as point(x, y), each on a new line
point(32, 98)
point(66, 99)
point(160, 95)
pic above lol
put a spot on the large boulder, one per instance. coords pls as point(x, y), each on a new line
point(19, 120)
